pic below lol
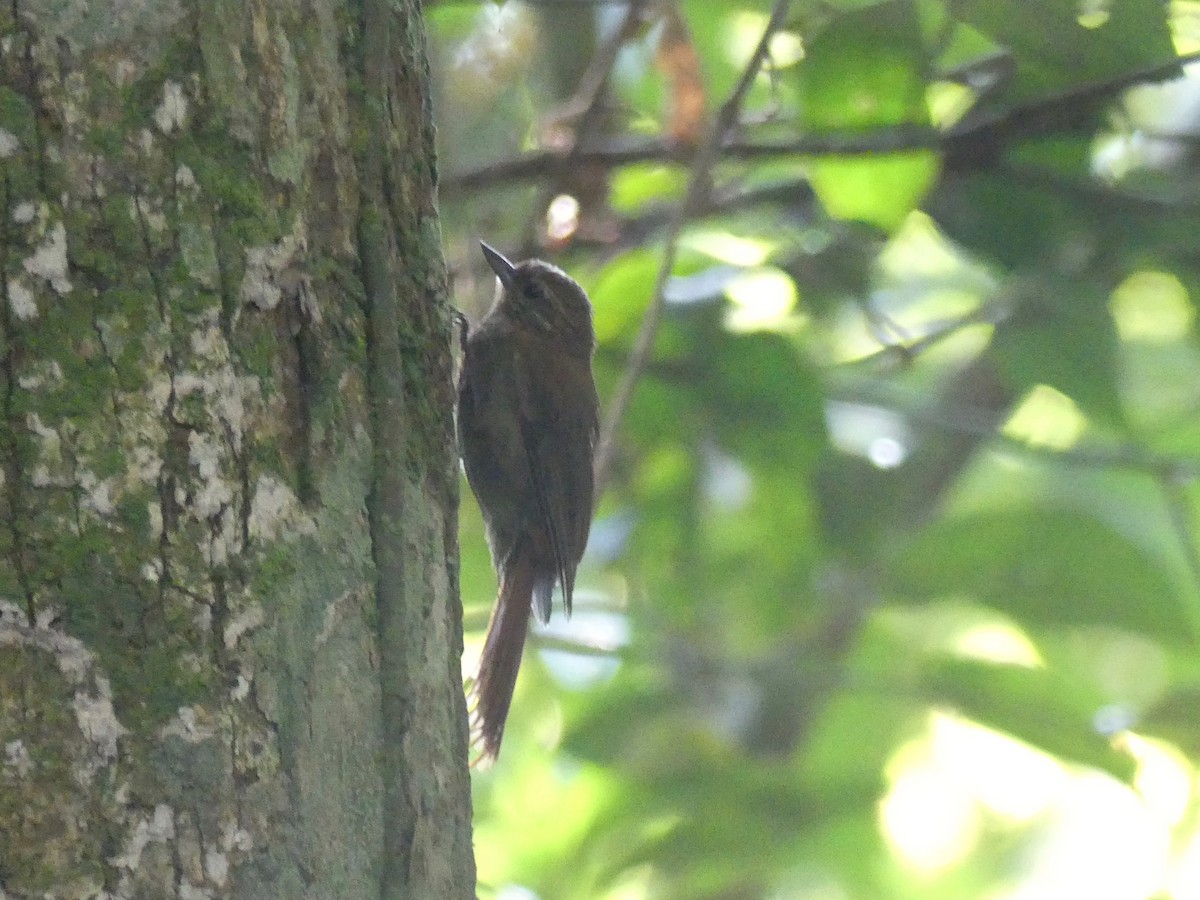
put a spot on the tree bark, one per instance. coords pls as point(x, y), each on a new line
point(230, 627)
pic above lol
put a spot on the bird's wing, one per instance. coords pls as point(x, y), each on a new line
point(558, 426)
point(490, 401)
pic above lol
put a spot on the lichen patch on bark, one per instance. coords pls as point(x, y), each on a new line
point(91, 697)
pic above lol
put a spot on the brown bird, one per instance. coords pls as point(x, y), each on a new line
point(528, 418)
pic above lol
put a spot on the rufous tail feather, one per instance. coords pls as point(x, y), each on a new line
point(501, 658)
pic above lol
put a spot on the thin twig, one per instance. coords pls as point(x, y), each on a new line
point(698, 189)
point(906, 351)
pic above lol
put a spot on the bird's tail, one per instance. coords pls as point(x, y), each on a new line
point(498, 666)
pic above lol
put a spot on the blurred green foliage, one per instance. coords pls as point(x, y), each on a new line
point(895, 590)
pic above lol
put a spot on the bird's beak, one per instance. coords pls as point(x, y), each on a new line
point(500, 265)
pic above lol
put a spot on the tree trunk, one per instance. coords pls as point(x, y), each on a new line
point(229, 617)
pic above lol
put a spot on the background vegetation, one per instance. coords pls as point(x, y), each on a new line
point(894, 590)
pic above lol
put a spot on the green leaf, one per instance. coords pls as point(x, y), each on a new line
point(637, 186)
point(1063, 335)
point(1038, 706)
point(1057, 47)
point(624, 717)
point(764, 400)
point(866, 70)
point(1174, 718)
point(621, 294)
point(880, 190)
point(1016, 222)
point(724, 35)
point(1045, 566)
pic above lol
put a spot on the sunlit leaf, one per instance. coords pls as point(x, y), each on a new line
point(1046, 709)
point(866, 70)
point(621, 294)
point(880, 191)
point(638, 186)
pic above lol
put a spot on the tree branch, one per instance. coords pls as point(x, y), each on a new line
point(959, 143)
